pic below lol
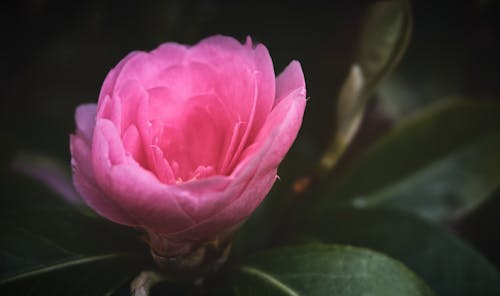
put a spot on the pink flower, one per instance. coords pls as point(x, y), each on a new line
point(185, 142)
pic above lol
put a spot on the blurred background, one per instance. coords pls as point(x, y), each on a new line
point(56, 54)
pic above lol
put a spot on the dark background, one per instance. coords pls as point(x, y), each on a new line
point(55, 55)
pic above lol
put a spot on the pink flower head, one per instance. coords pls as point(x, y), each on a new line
point(185, 142)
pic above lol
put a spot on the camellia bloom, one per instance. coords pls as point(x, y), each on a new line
point(185, 142)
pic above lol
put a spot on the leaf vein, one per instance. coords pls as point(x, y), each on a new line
point(270, 279)
point(67, 264)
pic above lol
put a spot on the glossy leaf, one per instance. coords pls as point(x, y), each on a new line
point(449, 187)
point(59, 251)
point(383, 40)
point(348, 118)
point(325, 270)
point(447, 264)
point(441, 162)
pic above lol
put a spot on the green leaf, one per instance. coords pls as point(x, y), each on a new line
point(383, 39)
point(59, 251)
point(441, 162)
point(325, 270)
point(447, 264)
point(452, 186)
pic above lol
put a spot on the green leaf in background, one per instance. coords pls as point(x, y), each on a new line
point(383, 40)
point(58, 251)
point(326, 270)
point(441, 162)
point(443, 261)
point(450, 187)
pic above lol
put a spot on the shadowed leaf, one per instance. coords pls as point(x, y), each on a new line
point(325, 270)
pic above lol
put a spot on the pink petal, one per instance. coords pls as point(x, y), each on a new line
point(169, 54)
point(245, 77)
point(131, 187)
point(145, 67)
point(280, 129)
point(189, 79)
point(85, 120)
point(252, 194)
point(195, 130)
point(107, 150)
point(133, 144)
point(289, 80)
point(162, 168)
point(83, 179)
point(130, 96)
point(140, 67)
point(108, 85)
point(265, 83)
point(152, 203)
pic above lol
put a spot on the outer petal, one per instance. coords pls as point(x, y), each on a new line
point(139, 65)
point(85, 120)
point(83, 172)
point(83, 179)
point(283, 123)
point(169, 54)
point(109, 82)
point(289, 80)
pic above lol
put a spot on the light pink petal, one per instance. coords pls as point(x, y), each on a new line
point(145, 67)
point(189, 79)
point(216, 42)
point(104, 108)
point(107, 143)
point(163, 105)
point(133, 144)
point(194, 131)
point(130, 96)
point(198, 137)
point(169, 54)
point(107, 150)
point(162, 168)
point(83, 179)
point(140, 67)
point(235, 212)
point(109, 82)
point(115, 114)
point(208, 196)
point(85, 120)
point(266, 86)
point(231, 145)
point(279, 131)
point(152, 203)
point(245, 77)
point(289, 80)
